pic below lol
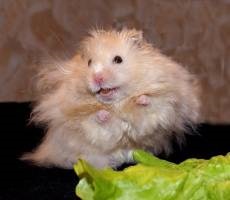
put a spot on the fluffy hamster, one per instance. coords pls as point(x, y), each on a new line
point(141, 98)
point(122, 64)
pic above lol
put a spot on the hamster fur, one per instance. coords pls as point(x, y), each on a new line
point(97, 81)
point(142, 70)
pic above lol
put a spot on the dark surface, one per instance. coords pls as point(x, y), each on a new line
point(25, 182)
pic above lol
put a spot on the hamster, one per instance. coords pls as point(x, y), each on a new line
point(123, 64)
point(119, 94)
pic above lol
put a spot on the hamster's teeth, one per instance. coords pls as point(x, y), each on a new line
point(105, 90)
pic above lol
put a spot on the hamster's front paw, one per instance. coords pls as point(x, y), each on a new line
point(143, 100)
point(103, 116)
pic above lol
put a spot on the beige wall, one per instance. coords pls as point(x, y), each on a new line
point(194, 32)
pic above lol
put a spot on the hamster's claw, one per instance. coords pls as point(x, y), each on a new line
point(143, 100)
point(102, 116)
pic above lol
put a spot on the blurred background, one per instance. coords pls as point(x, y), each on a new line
point(195, 33)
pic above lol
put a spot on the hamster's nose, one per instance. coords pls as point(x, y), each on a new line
point(98, 78)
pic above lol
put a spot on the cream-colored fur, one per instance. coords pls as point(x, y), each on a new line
point(69, 102)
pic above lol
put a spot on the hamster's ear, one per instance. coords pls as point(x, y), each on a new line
point(135, 36)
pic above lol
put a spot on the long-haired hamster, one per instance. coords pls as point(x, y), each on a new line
point(119, 94)
point(163, 95)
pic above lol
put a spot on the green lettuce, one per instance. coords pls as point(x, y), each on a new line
point(155, 179)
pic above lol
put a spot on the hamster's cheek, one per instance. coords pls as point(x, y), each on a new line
point(122, 79)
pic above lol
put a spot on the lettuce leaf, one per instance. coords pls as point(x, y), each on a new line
point(155, 179)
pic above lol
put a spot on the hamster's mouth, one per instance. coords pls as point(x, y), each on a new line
point(107, 95)
point(107, 92)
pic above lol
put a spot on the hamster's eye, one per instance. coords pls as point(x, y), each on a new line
point(117, 59)
point(89, 62)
